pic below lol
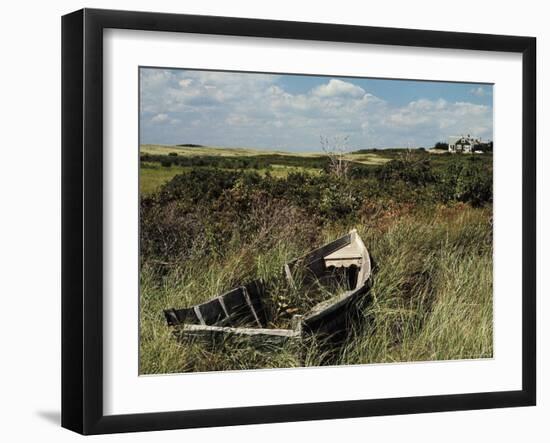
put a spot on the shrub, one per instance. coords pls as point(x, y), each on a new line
point(205, 210)
point(198, 185)
point(467, 180)
point(414, 169)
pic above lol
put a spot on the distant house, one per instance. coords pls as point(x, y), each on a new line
point(463, 143)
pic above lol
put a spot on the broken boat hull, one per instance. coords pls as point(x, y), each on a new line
point(240, 312)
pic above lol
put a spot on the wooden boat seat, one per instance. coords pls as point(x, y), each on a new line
point(347, 256)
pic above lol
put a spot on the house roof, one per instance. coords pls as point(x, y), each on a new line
point(462, 140)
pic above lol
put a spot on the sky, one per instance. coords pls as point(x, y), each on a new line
point(291, 112)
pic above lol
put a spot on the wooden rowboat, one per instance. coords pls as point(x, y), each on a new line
point(240, 311)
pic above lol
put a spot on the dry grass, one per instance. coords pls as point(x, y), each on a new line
point(431, 297)
point(218, 151)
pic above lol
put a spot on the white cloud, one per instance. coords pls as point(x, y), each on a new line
point(185, 82)
point(160, 118)
point(479, 91)
point(237, 120)
point(437, 119)
point(232, 109)
point(338, 88)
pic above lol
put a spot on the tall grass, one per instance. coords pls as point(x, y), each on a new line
point(431, 295)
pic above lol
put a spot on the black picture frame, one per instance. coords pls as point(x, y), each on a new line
point(82, 218)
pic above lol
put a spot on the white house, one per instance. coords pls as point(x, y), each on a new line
point(463, 143)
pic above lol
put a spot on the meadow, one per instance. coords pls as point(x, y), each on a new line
point(211, 218)
point(160, 163)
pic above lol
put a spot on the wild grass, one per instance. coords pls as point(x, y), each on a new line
point(217, 151)
point(431, 294)
point(368, 159)
point(153, 175)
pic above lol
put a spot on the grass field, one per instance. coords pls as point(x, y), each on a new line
point(216, 151)
point(426, 221)
point(152, 175)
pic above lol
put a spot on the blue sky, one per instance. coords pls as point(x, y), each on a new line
point(292, 112)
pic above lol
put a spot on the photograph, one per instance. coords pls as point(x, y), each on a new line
point(308, 220)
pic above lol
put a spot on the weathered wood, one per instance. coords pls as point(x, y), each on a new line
point(241, 331)
point(297, 323)
point(256, 336)
point(175, 317)
point(327, 307)
point(256, 294)
point(198, 313)
point(241, 304)
point(249, 303)
point(211, 312)
point(347, 256)
point(288, 275)
point(244, 304)
point(225, 311)
point(235, 304)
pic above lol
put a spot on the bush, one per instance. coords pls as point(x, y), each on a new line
point(198, 185)
point(216, 226)
point(467, 180)
point(205, 210)
point(414, 169)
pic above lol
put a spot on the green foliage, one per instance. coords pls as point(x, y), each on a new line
point(198, 185)
point(430, 296)
point(466, 180)
point(432, 290)
point(426, 220)
point(214, 207)
point(486, 147)
point(413, 169)
point(242, 162)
